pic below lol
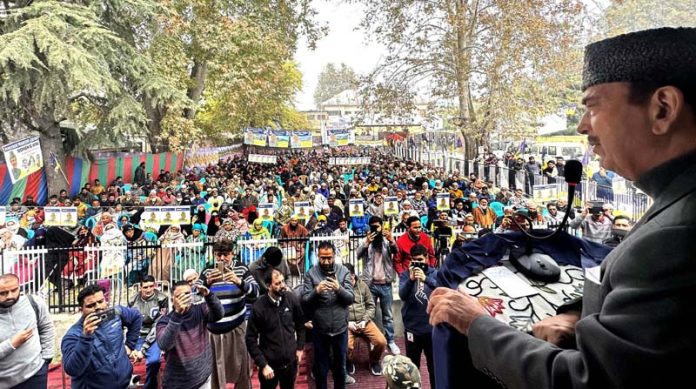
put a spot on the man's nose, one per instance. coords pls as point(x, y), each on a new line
point(584, 124)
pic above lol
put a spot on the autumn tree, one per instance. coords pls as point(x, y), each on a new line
point(505, 64)
point(333, 80)
point(622, 16)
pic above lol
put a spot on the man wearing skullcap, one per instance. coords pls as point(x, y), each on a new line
point(631, 329)
point(400, 372)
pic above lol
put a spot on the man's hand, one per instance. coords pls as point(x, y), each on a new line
point(232, 277)
point(455, 308)
point(137, 356)
point(202, 290)
point(321, 288)
point(558, 330)
point(362, 325)
point(21, 337)
point(332, 284)
point(369, 238)
point(419, 274)
point(90, 324)
point(298, 355)
point(267, 372)
point(388, 235)
point(213, 276)
point(182, 303)
point(353, 326)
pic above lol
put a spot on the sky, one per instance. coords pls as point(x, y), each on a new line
point(342, 44)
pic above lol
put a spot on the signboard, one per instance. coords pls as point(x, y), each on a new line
point(391, 206)
point(23, 158)
point(260, 158)
point(356, 207)
point(255, 137)
point(303, 210)
point(279, 138)
point(544, 193)
point(339, 137)
point(349, 161)
point(60, 216)
point(265, 211)
point(443, 201)
point(301, 139)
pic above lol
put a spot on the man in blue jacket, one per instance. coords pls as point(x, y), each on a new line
point(94, 354)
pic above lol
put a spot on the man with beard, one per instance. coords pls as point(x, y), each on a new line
point(272, 259)
point(328, 292)
point(275, 334)
point(378, 273)
point(335, 213)
point(414, 235)
point(24, 357)
point(151, 303)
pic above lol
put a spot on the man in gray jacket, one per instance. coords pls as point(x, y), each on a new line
point(26, 339)
point(327, 293)
point(378, 273)
point(633, 330)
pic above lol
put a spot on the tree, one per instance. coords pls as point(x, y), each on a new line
point(334, 80)
point(60, 62)
point(233, 60)
point(504, 63)
point(622, 16)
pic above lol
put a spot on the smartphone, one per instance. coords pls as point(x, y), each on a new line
point(220, 266)
point(106, 316)
point(331, 276)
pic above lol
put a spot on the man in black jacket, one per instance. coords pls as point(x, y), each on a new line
point(275, 334)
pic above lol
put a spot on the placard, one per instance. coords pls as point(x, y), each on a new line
point(260, 158)
point(23, 158)
point(443, 201)
point(544, 193)
point(303, 210)
point(356, 208)
point(391, 206)
point(60, 216)
point(265, 211)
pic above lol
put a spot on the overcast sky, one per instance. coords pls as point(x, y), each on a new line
point(342, 44)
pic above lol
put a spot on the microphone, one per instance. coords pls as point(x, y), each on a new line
point(537, 265)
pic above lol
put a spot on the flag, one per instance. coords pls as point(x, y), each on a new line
point(54, 161)
point(521, 148)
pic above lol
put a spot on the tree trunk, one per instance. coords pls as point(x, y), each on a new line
point(462, 69)
point(51, 141)
point(198, 76)
point(155, 114)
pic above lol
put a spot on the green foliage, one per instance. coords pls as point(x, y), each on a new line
point(623, 16)
point(334, 80)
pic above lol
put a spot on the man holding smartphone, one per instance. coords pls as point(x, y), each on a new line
point(415, 286)
point(94, 354)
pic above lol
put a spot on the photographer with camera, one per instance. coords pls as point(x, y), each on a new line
point(442, 235)
point(415, 286)
point(595, 226)
point(378, 273)
point(94, 354)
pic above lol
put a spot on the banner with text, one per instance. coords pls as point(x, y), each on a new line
point(279, 138)
point(23, 157)
point(349, 161)
point(301, 139)
point(260, 158)
point(255, 137)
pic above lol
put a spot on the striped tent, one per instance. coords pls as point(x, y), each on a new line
point(33, 185)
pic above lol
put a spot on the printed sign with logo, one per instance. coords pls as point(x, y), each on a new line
point(391, 206)
point(23, 158)
point(303, 210)
point(265, 211)
point(443, 201)
point(356, 207)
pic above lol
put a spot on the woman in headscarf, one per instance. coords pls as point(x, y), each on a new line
point(258, 231)
point(80, 261)
point(214, 224)
point(138, 255)
point(240, 223)
point(113, 259)
point(123, 220)
point(197, 258)
point(228, 231)
point(169, 256)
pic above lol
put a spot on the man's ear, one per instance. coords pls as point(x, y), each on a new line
point(666, 105)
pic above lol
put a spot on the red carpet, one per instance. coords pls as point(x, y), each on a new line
point(363, 376)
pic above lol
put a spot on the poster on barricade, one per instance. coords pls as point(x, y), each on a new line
point(166, 215)
point(183, 215)
point(150, 216)
point(301, 139)
point(68, 216)
point(255, 137)
point(356, 207)
point(52, 216)
point(544, 193)
point(443, 201)
point(23, 158)
point(260, 158)
point(391, 206)
point(265, 211)
point(303, 210)
point(279, 138)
